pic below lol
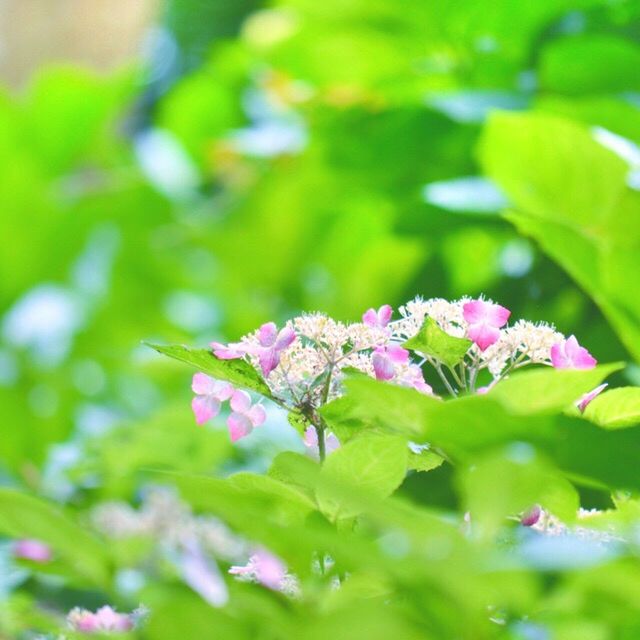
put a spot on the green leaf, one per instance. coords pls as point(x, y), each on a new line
point(371, 464)
point(548, 390)
point(424, 461)
point(615, 409)
point(432, 341)
point(24, 516)
point(238, 372)
point(296, 470)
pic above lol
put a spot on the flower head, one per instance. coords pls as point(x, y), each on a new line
point(379, 318)
point(244, 416)
point(104, 619)
point(33, 550)
point(485, 319)
point(532, 516)
point(210, 394)
point(568, 354)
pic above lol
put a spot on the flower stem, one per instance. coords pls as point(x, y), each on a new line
point(321, 443)
point(447, 384)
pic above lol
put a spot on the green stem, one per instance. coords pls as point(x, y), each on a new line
point(321, 443)
point(447, 384)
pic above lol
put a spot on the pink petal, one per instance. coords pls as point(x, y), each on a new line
point(240, 401)
point(475, 312)
point(382, 366)
point(228, 352)
point(204, 408)
point(86, 622)
point(497, 316)
point(110, 620)
point(483, 335)
point(270, 570)
point(310, 437)
point(331, 443)
point(384, 315)
point(267, 334)
point(558, 357)
point(33, 550)
point(202, 384)
point(397, 354)
point(223, 390)
point(580, 357)
point(239, 426)
point(583, 403)
point(257, 415)
point(285, 338)
point(269, 359)
point(370, 318)
point(532, 516)
point(203, 576)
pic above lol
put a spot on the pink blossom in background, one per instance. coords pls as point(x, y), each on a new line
point(413, 377)
point(583, 403)
point(379, 318)
point(484, 319)
point(310, 439)
point(244, 416)
point(33, 550)
point(568, 354)
point(104, 619)
point(532, 516)
point(263, 567)
point(385, 358)
point(202, 575)
point(210, 394)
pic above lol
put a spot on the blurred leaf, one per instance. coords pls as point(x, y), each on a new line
point(24, 516)
point(616, 408)
point(370, 463)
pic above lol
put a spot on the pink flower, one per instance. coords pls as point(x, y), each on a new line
point(531, 517)
point(33, 550)
point(310, 439)
point(379, 318)
point(265, 568)
point(271, 344)
point(203, 576)
point(588, 397)
point(413, 377)
point(244, 416)
point(385, 358)
point(484, 319)
point(104, 619)
point(568, 354)
point(210, 394)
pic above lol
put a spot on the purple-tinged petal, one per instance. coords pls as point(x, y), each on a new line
point(202, 575)
point(331, 443)
point(483, 335)
point(240, 401)
point(111, 620)
point(202, 384)
point(285, 339)
point(228, 352)
point(239, 426)
point(570, 355)
point(257, 415)
point(33, 550)
point(267, 334)
point(559, 358)
point(583, 403)
point(269, 359)
point(370, 318)
point(310, 437)
point(84, 621)
point(382, 365)
point(223, 390)
point(384, 315)
point(532, 516)
point(270, 570)
point(204, 408)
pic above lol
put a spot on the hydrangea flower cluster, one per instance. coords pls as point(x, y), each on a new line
point(104, 620)
point(305, 362)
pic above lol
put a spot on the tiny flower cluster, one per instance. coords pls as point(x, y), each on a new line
point(106, 619)
point(305, 362)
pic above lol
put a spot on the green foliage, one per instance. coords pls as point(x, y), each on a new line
point(616, 409)
point(434, 342)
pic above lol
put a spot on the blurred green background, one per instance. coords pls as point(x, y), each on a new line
point(183, 171)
